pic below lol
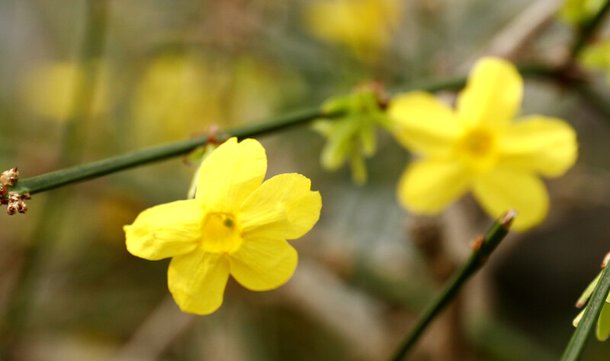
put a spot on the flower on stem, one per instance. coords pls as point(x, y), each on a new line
point(478, 147)
point(603, 322)
point(352, 135)
point(579, 11)
point(237, 225)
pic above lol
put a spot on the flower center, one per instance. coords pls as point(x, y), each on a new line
point(220, 233)
point(477, 149)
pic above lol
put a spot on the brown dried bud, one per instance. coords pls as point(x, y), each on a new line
point(14, 197)
point(9, 177)
point(22, 207)
point(15, 202)
point(11, 209)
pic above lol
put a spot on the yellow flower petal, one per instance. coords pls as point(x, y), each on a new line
point(165, 230)
point(263, 264)
point(503, 189)
point(423, 124)
point(542, 144)
point(197, 281)
point(283, 207)
point(428, 186)
point(230, 174)
point(492, 96)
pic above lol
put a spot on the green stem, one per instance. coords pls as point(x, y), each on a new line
point(579, 338)
point(529, 70)
point(106, 166)
point(477, 259)
point(587, 31)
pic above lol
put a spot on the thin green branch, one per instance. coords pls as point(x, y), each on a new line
point(106, 166)
point(579, 338)
point(541, 71)
point(439, 85)
point(111, 165)
point(587, 31)
point(481, 252)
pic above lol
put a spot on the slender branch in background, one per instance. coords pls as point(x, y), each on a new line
point(587, 30)
point(83, 96)
point(579, 338)
point(541, 71)
point(439, 85)
point(482, 249)
point(90, 50)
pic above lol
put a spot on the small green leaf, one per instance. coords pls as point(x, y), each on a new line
point(603, 323)
point(582, 300)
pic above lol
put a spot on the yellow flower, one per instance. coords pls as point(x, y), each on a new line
point(175, 96)
point(49, 89)
point(237, 225)
point(579, 11)
point(478, 147)
point(180, 94)
point(365, 26)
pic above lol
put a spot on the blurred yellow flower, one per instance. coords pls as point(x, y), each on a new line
point(579, 11)
point(182, 94)
point(352, 136)
point(365, 26)
point(49, 90)
point(237, 225)
point(479, 147)
point(176, 97)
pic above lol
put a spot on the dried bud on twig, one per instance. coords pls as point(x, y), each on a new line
point(15, 202)
point(9, 177)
